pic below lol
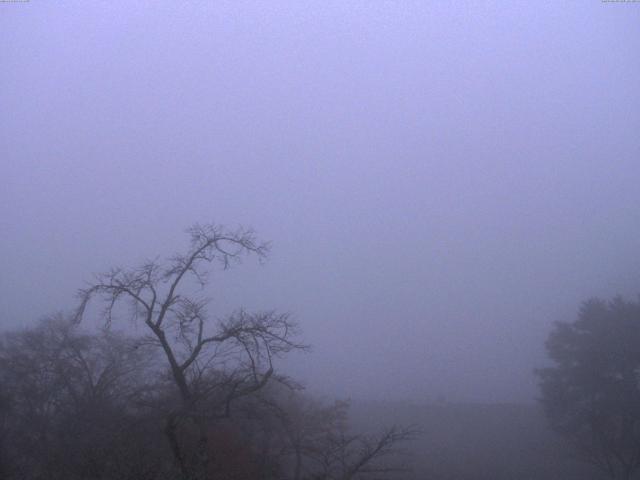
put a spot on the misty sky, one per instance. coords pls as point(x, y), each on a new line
point(440, 180)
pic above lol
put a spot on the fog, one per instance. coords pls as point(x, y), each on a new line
point(440, 181)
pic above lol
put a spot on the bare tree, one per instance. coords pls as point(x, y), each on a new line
point(318, 444)
point(347, 456)
point(63, 390)
point(211, 363)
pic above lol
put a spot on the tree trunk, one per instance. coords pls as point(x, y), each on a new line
point(171, 432)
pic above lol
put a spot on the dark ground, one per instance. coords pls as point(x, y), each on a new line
point(475, 441)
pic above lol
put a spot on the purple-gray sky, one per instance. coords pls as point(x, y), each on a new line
point(440, 180)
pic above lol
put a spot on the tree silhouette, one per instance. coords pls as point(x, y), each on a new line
point(213, 363)
point(591, 394)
